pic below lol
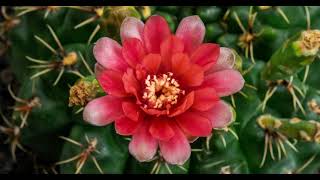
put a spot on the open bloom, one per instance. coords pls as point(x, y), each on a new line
point(163, 89)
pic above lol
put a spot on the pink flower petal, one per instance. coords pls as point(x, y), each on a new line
point(108, 53)
point(180, 64)
point(186, 103)
point(98, 69)
point(191, 31)
point(154, 112)
point(131, 110)
point(131, 28)
point(152, 62)
point(220, 114)
point(194, 76)
point(143, 146)
point(194, 124)
point(204, 99)
point(125, 126)
point(141, 72)
point(102, 111)
point(225, 61)
point(161, 129)
point(225, 82)
point(177, 150)
point(155, 31)
point(111, 82)
point(133, 51)
point(206, 55)
point(169, 47)
point(130, 83)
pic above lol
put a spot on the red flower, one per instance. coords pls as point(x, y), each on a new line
point(163, 89)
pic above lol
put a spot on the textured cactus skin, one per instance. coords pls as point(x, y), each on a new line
point(223, 152)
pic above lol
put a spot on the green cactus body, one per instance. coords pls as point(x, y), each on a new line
point(292, 56)
point(276, 114)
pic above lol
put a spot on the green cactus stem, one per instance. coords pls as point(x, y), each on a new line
point(291, 128)
point(296, 53)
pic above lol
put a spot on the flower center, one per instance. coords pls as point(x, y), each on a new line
point(162, 91)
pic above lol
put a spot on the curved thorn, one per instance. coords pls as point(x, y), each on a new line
point(154, 167)
point(266, 139)
point(278, 149)
point(77, 73)
point(271, 148)
point(95, 31)
point(27, 10)
point(85, 22)
point(24, 119)
point(80, 165)
point(71, 141)
point(97, 164)
point(251, 86)
point(297, 101)
point(41, 73)
point(14, 96)
point(80, 110)
point(41, 66)
point(248, 70)
point(13, 152)
point(232, 101)
point(306, 74)
point(247, 52)
point(53, 170)
point(290, 81)
point(299, 91)
point(308, 17)
point(59, 77)
point(282, 147)
point(291, 145)
point(168, 168)
point(208, 142)
point(158, 169)
point(213, 164)
point(37, 60)
point(251, 52)
point(33, 87)
point(253, 19)
point(79, 8)
point(306, 164)
point(243, 94)
point(86, 64)
point(46, 44)
point(46, 14)
point(233, 133)
point(284, 16)
point(4, 13)
point(55, 37)
point(250, 12)
point(182, 168)
point(196, 150)
point(226, 14)
point(21, 147)
point(239, 22)
point(223, 140)
point(6, 121)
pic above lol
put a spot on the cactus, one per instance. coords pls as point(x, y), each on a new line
point(275, 124)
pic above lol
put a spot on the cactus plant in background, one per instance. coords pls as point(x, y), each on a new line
point(166, 89)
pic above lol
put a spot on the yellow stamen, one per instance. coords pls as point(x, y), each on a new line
point(162, 91)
